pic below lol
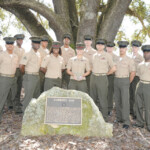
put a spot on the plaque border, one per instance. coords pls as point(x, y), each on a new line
point(64, 123)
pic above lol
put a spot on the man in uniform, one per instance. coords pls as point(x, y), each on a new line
point(8, 65)
point(1, 49)
point(19, 51)
point(137, 59)
point(67, 53)
point(44, 52)
point(78, 68)
point(102, 65)
point(124, 75)
point(30, 65)
point(110, 46)
point(88, 53)
point(143, 90)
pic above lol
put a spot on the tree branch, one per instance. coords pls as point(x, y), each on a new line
point(54, 19)
point(29, 21)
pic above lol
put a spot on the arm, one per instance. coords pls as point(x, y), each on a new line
point(43, 70)
point(22, 68)
point(132, 75)
point(112, 70)
point(86, 73)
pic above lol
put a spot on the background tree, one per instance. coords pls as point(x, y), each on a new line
point(101, 19)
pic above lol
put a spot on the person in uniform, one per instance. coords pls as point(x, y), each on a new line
point(88, 53)
point(30, 65)
point(124, 75)
point(102, 65)
point(53, 65)
point(8, 65)
point(67, 53)
point(143, 90)
point(137, 59)
point(19, 51)
point(1, 49)
point(110, 46)
point(44, 52)
point(78, 68)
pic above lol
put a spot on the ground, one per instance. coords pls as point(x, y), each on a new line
point(10, 138)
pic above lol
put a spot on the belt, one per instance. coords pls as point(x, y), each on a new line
point(145, 82)
point(7, 75)
point(99, 74)
point(122, 76)
point(33, 73)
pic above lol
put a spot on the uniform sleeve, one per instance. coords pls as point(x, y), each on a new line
point(24, 59)
point(63, 64)
point(132, 65)
point(45, 62)
point(1, 49)
point(1, 58)
point(69, 65)
point(138, 70)
point(88, 68)
point(110, 61)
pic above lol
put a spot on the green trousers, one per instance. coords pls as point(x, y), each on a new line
point(65, 79)
point(18, 86)
point(6, 83)
point(78, 85)
point(42, 78)
point(143, 101)
point(99, 91)
point(31, 84)
point(110, 91)
point(88, 82)
point(121, 95)
point(133, 85)
point(49, 83)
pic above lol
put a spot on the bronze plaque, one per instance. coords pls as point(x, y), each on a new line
point(63, 111)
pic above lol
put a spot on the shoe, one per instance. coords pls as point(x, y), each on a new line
point(10, 107)
point(137, 125)
point(125, 126)
point(118, 121)
point(109, 113)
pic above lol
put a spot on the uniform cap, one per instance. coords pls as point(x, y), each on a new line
point(45, 38)
point(80, 46)
point(110, 44)
point(67, 35)
point(56, 44)
point(101, 41)
point(19, 36)
point(136, 43)
point(9, 40)
point(122, 44)
point(88, 37)
point(35, 39)
point(146, 48)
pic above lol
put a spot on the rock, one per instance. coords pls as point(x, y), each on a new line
point(93, 123)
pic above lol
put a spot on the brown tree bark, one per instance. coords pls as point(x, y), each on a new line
point(112, 18)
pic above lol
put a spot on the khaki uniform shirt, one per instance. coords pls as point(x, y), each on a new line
point(32, 61)
point(101, 63)
point(89, 54)
point(8, 63)
point(115, 57)
point(43, 52)
point(67, 54)
point(138, 59)
point(78, 66)
point(124, 66)
point(54, 66)
point(19, 52)
point(1, 49)
point(143, 70)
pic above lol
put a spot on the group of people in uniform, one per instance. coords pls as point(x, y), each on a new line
point(106, 77)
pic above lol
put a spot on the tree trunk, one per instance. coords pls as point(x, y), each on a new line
point(88, 21)
point(112, 18)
